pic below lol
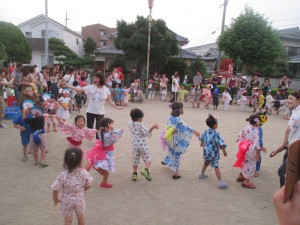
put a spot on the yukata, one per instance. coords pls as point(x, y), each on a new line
point(38, 136)
point(243, 101)
point(215, 97)
point(226, 100)
point(101, 156)
point(261, 101)
point(77, 134)
point(73, 186)
point(61, 112)
point(178, 141)
point(212, 142)
point(140, 149)
point(254, 99)
point(251, 134)
point(51, 110)
point(269, 100)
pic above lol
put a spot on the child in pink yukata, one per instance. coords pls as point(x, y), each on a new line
point(73, 183)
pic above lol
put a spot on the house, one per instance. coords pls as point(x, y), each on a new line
point(34, 31)
point(101, 35)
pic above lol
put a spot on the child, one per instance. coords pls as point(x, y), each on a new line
point(261, 100)
point(51, 109)
point(177, 137)
point(38, 136)
point(215, 97)
point(277, 100)
point(248, 152)
point(263, 119)
point(72, 96)
point(73, 183)
point(211, 143)
point(64, 105)
point(254, 98)
point(197, 96)
point(126, 96)
point(207, 93)
point(151, 89)
point(164, 94)
point(140, 148)
point(79, 97)
point(243, 101)
point(269, 101)
point(226, 99)
point(101, 156)
point(24, 128)
point(182, 93)
point(78, 131)
point(191, 94)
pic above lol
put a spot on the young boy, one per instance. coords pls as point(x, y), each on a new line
point(24, 128)
point(140, 148)
point(182, 93)
point(164, 94)
point(261, 100)
point(226, 99)
point(212, 143)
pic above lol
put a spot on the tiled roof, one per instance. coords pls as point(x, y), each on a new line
point(211, 54)
point(184, 54)
point(290, 33)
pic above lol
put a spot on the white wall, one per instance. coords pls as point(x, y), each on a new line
point(70, 40)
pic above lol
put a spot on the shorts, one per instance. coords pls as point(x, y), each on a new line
point(25, 139)
point(70, 204)
point(141, 152)
point(35, 147)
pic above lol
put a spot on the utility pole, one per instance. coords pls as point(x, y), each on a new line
point(46, 33)
point(222, 28)
point(66, 19)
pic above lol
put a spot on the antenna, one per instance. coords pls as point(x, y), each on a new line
point(66, 19)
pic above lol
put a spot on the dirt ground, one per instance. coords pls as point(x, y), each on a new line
point(26, 195)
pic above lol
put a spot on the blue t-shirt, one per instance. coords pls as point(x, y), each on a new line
point(18, 120)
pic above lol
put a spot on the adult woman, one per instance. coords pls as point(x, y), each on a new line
point(97, 94)
point(292, 133)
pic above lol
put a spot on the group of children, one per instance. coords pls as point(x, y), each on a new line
point(176, 137)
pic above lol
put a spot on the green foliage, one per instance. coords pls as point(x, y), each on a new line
point(3, 54)
point(173, 65)
point(133, 40)
point(251, 39)
point(197, 66)
point(16, 46)
point(89, 46)
point(117, 62)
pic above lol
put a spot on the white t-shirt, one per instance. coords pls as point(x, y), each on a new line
point(294, 125)
point(69, 79)
point(96, 98)
point(175, 85)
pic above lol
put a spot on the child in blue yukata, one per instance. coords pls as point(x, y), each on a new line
point(24, 128)
point(212, 143)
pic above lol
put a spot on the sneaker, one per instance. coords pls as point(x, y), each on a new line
point(222, 184)
point(134, 176)
point(43, 164)
point(202, 176)
point(37, 163)
point(3, 125)
point(146, 174)
point(105, 185)
point(24, 159)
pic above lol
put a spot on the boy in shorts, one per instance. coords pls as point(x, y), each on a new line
point(140, 148)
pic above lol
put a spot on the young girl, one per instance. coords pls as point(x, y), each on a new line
point(212, 142)
point(164, 94)
point(254, 98)
point(177, 137)
point(243, 101)
point(215, 97)
point(73, 183)
point(207, 93)
point(64, 105)
point(126, 96)
point(261, 100)
point(78, 131)
point(51, 109)
point(197, 95)
point(248, 151)
point(226, 99)
point(269, 101)
point(101, 156)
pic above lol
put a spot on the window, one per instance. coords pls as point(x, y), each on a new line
point(43, 33)
point(102, 33)
point(28, 34)
point(77, 41)
point(102, 43)
point(292, 51)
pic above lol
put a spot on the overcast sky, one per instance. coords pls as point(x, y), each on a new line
point(198, 20)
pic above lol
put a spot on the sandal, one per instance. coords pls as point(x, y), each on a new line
point(105, 185)
point(175, 177)
point(249, 185)
point(240, 179)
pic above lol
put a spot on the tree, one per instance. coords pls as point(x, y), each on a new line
point(16, 46)
point(198, 66)
point(251, 39)
point(175, 64)
point(132, 38)
point(89, 46)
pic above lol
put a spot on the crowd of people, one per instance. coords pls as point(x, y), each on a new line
point(46, 98)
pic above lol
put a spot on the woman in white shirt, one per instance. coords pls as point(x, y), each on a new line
point(97, 95)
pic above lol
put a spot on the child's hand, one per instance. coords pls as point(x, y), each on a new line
point(272, 154)
point(22, 128)
point(56, 201)
point(197, 133)
point(224, 152)
point(263, 149)
point(156, 126)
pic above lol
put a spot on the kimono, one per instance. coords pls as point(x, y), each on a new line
point(177, 136)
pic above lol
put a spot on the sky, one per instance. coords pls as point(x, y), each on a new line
point(198, 20)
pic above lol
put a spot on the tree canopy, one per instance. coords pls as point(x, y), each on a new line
point(14, 43)
point(89, 46)
point(132, 38)
point(251, 39)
